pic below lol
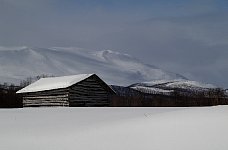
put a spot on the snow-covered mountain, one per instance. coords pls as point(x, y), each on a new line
point(18, 63)
point(168, 86)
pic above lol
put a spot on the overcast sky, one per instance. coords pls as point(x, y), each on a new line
point(189, 37)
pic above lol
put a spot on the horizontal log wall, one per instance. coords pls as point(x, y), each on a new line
point(49, 92)
point(88, 93)
point(58, 97)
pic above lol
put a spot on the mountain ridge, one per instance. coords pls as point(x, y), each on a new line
point(18, 63)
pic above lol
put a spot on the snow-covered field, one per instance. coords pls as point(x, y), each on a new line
point(202, 128)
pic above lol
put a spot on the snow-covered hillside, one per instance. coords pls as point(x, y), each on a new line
point(18, 63)
point(168, 86)
point(202, 128)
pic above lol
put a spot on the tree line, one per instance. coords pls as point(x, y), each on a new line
point(126, 96)
point(8, 96)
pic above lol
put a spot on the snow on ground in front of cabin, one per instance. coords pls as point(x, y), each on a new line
point(202, 128)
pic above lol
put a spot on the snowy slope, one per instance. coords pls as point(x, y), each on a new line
point(167, 86)
point(177, 83)
point(152, 90)
point(115, 68)
point(203, 128)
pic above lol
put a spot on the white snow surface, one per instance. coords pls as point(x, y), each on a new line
point(18, 63)
point(202, 128)
point(180, 83)
point(152, 90)
point(166, 86)
point(155, 82)
point(54, 83)
point(189, 84)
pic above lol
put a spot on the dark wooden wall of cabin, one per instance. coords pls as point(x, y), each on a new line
point(89, 92)
point(58, 97)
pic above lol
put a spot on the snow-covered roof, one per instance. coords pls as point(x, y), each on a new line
point(54, 83)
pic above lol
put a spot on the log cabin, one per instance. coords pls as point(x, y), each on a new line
point(69, 91)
